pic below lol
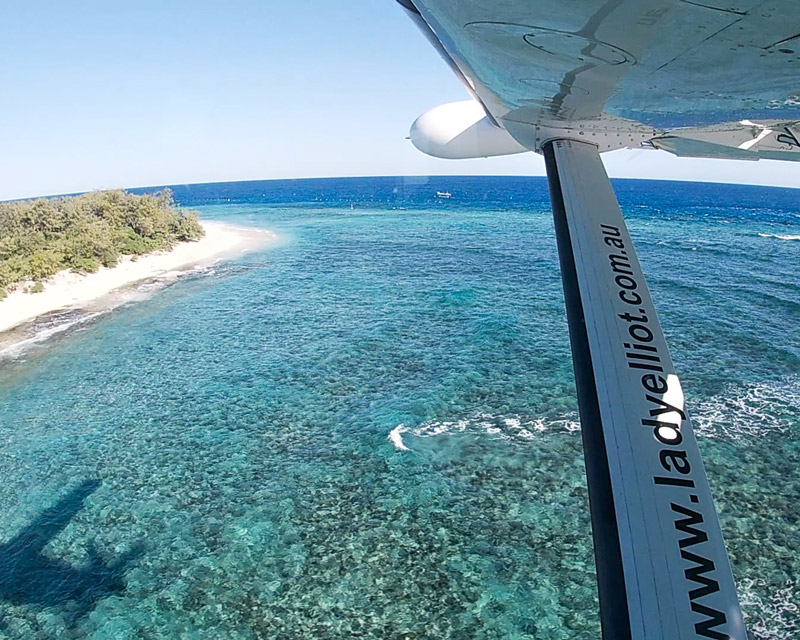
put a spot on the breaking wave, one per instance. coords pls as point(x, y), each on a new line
point(45, 328)
point(741, 412)
point(496, 427)
point(779, 236)
point(772, 617)
point(749, 411)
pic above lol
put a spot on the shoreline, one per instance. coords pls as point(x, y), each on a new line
point(73, 298)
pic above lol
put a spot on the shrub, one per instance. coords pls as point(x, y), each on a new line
point(85, 265)
point(187, 227)
point(41, 237)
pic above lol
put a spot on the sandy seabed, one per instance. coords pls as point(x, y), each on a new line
point(66, 291)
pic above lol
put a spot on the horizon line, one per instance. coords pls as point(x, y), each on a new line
point(364, 177)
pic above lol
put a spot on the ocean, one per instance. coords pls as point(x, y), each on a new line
point(369, 429)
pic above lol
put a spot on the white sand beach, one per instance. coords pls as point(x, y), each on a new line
point(67, 290)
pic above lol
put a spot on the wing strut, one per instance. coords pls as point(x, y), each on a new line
point(662, 567)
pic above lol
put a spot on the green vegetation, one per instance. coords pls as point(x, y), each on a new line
point(38, 238)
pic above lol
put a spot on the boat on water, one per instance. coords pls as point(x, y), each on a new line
point(570, 81)
point(443, 194)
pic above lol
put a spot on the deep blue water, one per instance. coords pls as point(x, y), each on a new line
point(214, 461)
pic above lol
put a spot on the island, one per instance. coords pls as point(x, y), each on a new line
point(68, 252)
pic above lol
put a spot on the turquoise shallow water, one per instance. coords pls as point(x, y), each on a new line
point(215, 461)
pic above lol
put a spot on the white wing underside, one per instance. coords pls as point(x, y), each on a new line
point(704, 78)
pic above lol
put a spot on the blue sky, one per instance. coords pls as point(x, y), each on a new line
point(122, 94)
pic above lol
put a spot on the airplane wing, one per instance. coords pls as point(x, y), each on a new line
point(704, 78)
point(571, 79)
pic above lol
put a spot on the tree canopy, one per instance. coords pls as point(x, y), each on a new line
point(40, 237)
